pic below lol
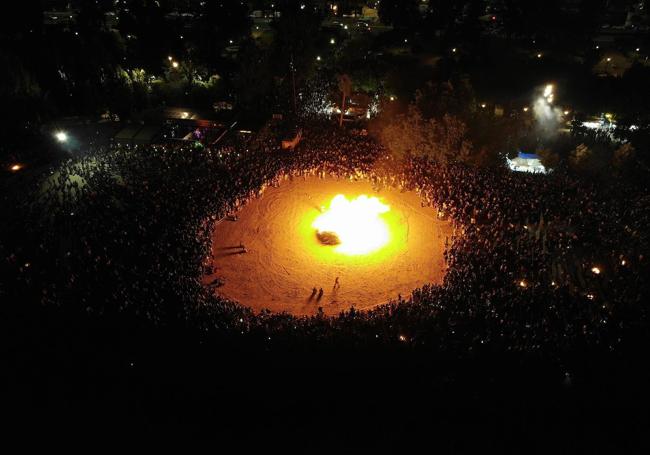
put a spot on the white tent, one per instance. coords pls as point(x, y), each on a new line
point(527, 162)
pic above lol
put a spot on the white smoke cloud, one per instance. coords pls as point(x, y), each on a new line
point(548, 117)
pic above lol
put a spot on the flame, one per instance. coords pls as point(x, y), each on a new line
point(357, 224)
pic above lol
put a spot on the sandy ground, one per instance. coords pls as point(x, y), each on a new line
point(285, 260)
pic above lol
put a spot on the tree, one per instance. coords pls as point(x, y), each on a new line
point(624, 157)
point(580, 155)
point(549, 158)
point(410, 134)
point(345, 87)
point(590, 159)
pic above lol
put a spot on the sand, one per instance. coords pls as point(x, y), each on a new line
point(285, 260)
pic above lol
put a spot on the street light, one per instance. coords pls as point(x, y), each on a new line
point(175, 64)
point(61, 136)
point(15, 167)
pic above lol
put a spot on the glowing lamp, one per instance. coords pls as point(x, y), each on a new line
point(61, 136)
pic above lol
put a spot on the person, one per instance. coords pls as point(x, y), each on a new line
point(320, 293)
point(336, 283)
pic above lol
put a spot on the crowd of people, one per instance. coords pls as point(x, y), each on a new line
point(538, 263)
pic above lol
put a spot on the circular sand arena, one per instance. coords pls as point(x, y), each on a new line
point(284, 259)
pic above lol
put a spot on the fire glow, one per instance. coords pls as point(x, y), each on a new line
point(356, 226)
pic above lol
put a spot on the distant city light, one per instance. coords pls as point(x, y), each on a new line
point(61, 136)
point(523, 284)
point(609, 59)
point(332, 41)
point(318, 58)
point(483, 105)
point(16, 167)
point(567, 112)
point(175, 64)
point(169, 58)
point(392, 98)
point(539, 55)
point(526, 109)
point(595, 270)
point(454, 50)
point(638, 49)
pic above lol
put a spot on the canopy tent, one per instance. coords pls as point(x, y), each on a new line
point(527, 162)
